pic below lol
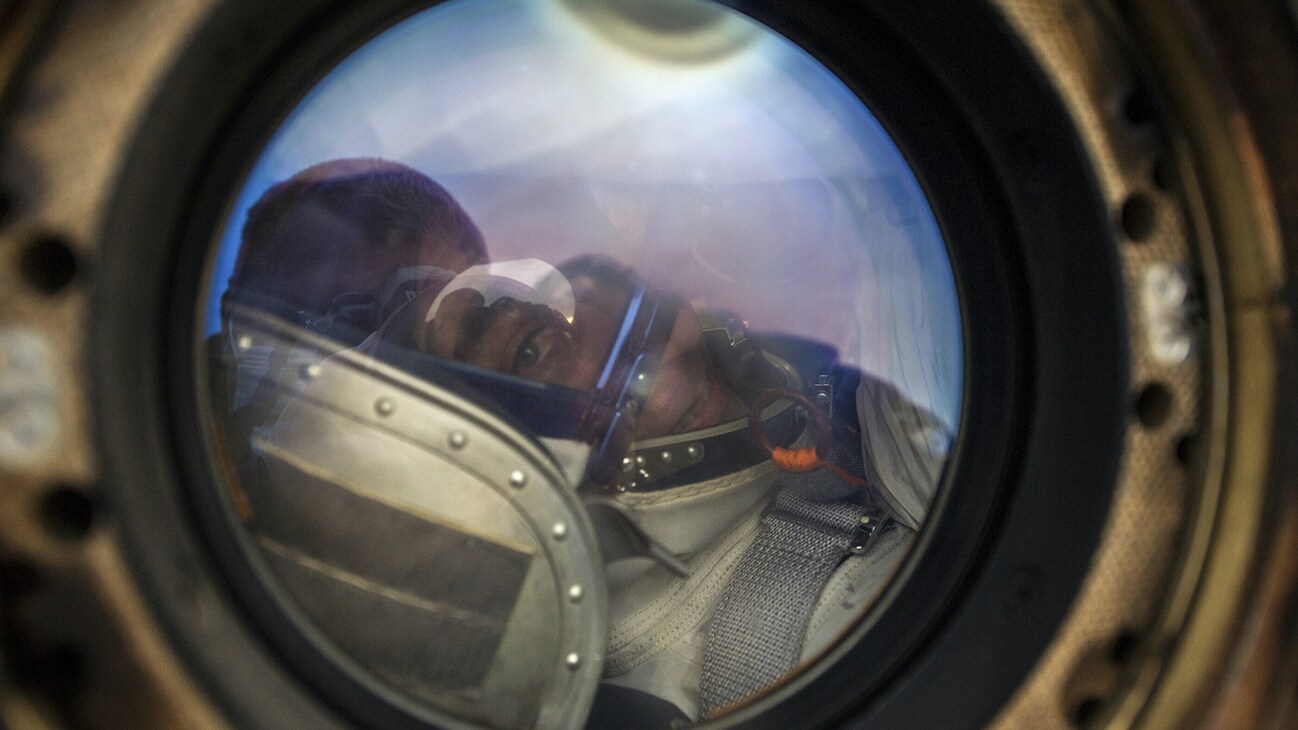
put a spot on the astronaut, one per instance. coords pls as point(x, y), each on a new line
point(747, 495)
point(322, 248)
point(780, 548)
point(339, 229)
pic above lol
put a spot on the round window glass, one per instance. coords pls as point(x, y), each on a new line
point(579, 362)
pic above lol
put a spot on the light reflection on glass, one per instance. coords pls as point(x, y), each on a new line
point(545, 130)
point(636, 229)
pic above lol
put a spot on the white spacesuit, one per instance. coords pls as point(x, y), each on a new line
point(699, 577)
point(661, 624)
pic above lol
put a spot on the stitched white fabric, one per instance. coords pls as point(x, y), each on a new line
point(854, 587)
point(659, 609)
point(686, 520)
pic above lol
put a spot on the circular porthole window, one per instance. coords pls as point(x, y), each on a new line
point(615, 364)
point(574, 359)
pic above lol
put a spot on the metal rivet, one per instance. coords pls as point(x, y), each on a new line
point(639, 460)
point(30, 425)
point(1167, 303)
point(383, 406)
point(311, 372)
point(1166, 285)
point(560, 530)
point(1170, 342)
point(666, 456)
point(693, 451)
point(572, 661)
point(627, 464)
point(517, 478)
point(457, 440)
point(245, 343)
point(575, 593)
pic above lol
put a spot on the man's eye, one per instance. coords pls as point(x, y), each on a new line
point(529, 354)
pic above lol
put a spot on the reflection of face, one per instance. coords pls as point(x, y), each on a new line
point(332, 256)
point(533, 341)
point(686, 393)
point(327, 258)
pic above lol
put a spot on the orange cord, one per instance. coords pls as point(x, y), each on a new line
point(796, 460)
point(807, 458)
point(801, 461)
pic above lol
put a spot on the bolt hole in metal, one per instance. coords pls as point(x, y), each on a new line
point(1137, 106)
point(1138, 217)
point(1163, 173)
point(1153, 405)
point(48, 263)
point(7, 206)
point(1123, 647)
point(1185, 448)
point(66, 513)
point(1086, 711)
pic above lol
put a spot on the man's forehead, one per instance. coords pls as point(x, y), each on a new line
point(333, 169)
point(436, 249)
point(317, 234)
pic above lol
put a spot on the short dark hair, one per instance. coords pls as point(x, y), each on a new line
point(393, 205)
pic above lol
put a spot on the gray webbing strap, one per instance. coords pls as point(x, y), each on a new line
point(756, 632)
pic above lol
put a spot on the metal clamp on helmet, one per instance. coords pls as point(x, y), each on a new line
point(379, 498)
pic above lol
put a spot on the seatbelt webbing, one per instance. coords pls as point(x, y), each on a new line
point(756, 631)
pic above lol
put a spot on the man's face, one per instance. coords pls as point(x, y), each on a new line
point(520, 338)
point(534, 341)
